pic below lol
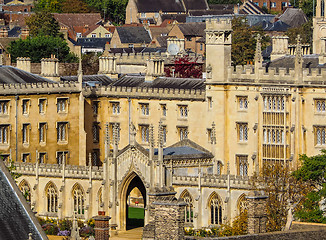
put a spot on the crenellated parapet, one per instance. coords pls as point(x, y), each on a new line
point(276, 75)
point(39, 88)
point(145, 92)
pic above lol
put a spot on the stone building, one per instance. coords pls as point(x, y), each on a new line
point(84, 143)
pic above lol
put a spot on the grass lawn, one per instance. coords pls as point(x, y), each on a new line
point(137, 213)
point(135, 217)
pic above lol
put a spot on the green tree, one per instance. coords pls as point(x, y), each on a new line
point(284, 191)
point(43, 23)
point(305, 32)
point(313, 169)
point(48, 5)
point(40, 47)
point(75, 6)
point(244, 41)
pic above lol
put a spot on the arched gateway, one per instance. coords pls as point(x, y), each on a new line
point(131, 182)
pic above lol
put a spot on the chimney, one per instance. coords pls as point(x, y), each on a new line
point(155, 68)
point(24, 33)
point(50, 68)
point(24, 64)
point(280, 47)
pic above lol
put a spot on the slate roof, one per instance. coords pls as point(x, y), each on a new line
point(185, 149)
point(278, 26)
point(159, 5)
point(195, 4)
point(210, 12)
point(10, 75)
point(16, 217)
point(309, 61)
point(161, 82)
point(133, 34)
point(293, 17)
point(193, 29)
point(89, 79)
point(137, 50)
point(93, 42)
point(181, 18)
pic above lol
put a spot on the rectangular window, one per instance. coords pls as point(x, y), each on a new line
point(209, 134)
point(25, 132)
point(4, 107)
point(93, 35)
point(273, 4)
point(242, 163)
point(201, 47)
point(183, 111)
point(144, 108)
point(242, 102)
point(183, 132)
point(242, 132)
point(62, 105)
point(96, 132)
point(5, 157)
point(320, 105)
point(320, 135)
point(264, 4)
point(4, 130)
point(142, 15)
point(164, 134)
point(111, 128)
point(107, 35)
point(164, 110)
point(274, 103)
point(42, 157)
point(25, 157)
point(115, 108)
point(256, 3)
point(156, 15)
point(95, 107)
point(41, 105)
point(62, 131)
point(25, 106)
point(42, 131)
point(62, 157)
point(131, 45)
point(144, 133)
point(78, 35)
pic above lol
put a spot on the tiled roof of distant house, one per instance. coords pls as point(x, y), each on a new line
point(181, 18)
point(195, 4)
point(159, 5)
point(294, 17)
point(133, 35)
point(193, 29)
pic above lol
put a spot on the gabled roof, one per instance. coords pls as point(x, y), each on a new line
point(78, 19)
point(159, 5)
point(294, 17)
point(10, 75)
point(17, 220)
point(248, 7)
point(185, 149)
point(133, 34)
point(193, 29)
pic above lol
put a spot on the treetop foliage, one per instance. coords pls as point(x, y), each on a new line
point(244, 41)
point(43, 23)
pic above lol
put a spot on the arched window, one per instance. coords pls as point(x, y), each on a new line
point(79, 200)
point(215, 209)
point(51, 198)
point(189, 211)
point(26, 190)
point(242, 204)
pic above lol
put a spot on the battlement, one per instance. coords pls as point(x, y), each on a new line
point(276, 75)
point(145, 92)
point(56, 170)
point(38, 88)
point(222, 24)
point(214, 181)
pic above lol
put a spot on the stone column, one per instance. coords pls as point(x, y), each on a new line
point(257, 216)
point(102, 228)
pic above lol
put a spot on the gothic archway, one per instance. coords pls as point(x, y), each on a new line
point(133, 181)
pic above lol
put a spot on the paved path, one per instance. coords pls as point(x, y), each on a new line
point(135, 233)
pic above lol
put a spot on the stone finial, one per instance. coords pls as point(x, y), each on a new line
point(116, 133)
point(258, 54)
point(298, 50)
point(213, 136)
point(151, 135)
point(133, 132)
point(80, 72)
point(107, 140)
point(160, 134)
point(75, 229)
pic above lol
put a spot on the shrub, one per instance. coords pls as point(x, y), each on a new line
point(50, 229)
